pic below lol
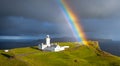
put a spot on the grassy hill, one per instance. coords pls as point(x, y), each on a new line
point(76, 55)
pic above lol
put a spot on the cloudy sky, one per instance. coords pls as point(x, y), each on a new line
point(99, 18)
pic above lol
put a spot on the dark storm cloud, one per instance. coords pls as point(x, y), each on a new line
point(99, 25)
point(102, 28)
point(49, 9)
point(36, 16)
point(96, 8)
point(38, 9)
point(12, 25)
point(20, 25)
point(44, 16)
point(100, 18)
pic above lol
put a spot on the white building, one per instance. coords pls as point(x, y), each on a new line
point(6, 50)
point(51, 47)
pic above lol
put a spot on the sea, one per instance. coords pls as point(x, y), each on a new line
point(112, 47)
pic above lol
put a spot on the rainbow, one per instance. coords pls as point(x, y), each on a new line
point(73, 21)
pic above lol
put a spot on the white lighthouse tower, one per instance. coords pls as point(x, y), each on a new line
point(48, 40)
point(51, 47)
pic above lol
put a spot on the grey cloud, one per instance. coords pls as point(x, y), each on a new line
point(43, 10)
point(20, 25)
point(96, 8)
point(42, 16)
point(102, 28)
point(50, 11)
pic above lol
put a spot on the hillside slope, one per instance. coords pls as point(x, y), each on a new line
point(76, 55)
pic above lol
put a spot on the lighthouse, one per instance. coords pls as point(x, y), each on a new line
point(51, 47)
point(48, 40)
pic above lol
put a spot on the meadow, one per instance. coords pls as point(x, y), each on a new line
point(76, 55)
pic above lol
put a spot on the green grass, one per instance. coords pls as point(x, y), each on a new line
point(76, 55)
point(7, 59)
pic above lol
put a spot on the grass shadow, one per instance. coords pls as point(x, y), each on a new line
point(8, 56)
